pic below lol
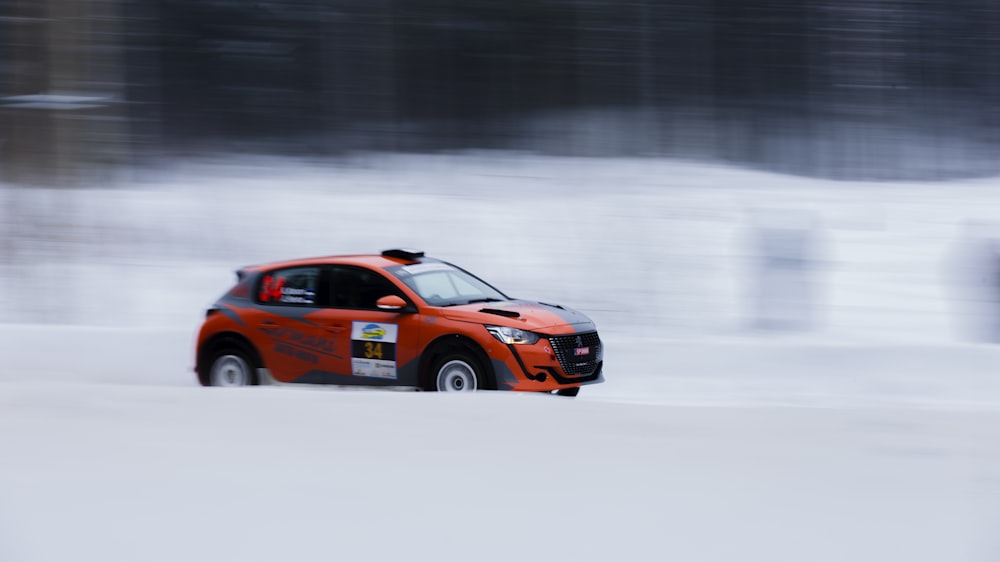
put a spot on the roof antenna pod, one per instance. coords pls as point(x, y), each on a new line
point(403, 253)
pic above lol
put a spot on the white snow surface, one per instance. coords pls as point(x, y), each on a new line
point(869, 434)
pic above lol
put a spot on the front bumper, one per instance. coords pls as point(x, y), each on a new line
point(535, 368)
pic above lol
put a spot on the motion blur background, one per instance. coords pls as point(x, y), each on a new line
point(806, 165)
point(784, 218)
point(869, 89)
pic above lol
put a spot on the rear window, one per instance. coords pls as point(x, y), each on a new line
point(294, 286)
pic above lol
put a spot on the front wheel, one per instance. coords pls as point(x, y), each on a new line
point(231, 367)
point(571, 392)
point(456, 373)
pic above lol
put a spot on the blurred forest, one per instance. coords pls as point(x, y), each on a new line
point(877, 89)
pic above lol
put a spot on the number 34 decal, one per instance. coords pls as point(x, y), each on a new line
point(373, 350)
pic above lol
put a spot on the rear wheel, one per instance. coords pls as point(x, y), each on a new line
point(231, 367)
point(456, 373)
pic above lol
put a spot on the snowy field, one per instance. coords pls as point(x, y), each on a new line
point(870, 433)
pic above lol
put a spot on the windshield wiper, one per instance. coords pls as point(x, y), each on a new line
point(485, 299)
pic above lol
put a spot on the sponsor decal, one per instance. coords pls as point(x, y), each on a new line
point(297, 339)
point(298, 296)
point(270, 289)
point(581, 351)
point(373, 368)
point(291, 351)
point(373, 349)
point(273, 289)
point(372, 332)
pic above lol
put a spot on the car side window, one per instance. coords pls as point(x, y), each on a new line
point(359, 288)
point(294, 286)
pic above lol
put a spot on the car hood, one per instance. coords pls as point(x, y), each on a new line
point(526, 315)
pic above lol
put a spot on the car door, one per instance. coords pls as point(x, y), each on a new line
point(378, 347)
point(290, 336)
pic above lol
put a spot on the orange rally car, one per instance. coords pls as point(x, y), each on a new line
point(397, 319)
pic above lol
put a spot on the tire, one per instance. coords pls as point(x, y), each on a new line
point(457, 372)
point(570, 392)
point(231, 366)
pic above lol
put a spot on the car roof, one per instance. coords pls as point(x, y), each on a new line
point(373, 261)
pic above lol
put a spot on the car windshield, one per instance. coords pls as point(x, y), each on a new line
point(442, 284)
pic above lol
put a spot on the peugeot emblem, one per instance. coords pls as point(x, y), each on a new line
point(579, 341)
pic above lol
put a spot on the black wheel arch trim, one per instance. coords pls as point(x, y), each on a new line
point(220, 340)
point(440, 345)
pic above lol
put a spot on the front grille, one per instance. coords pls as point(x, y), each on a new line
point(565, 348)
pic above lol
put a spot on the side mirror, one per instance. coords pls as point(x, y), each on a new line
point(391, 303)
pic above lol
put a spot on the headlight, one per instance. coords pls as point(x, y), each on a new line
point(509, 336)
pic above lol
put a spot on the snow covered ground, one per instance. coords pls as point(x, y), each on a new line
point(871, 435)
